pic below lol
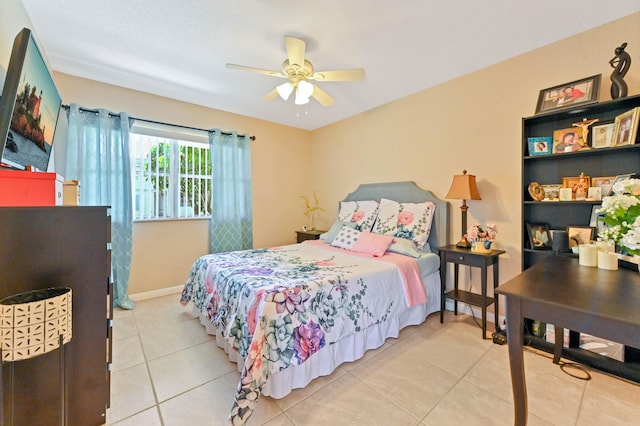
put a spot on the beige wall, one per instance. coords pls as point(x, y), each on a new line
point(473, 123)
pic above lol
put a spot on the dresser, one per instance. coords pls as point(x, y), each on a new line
point(45, 247)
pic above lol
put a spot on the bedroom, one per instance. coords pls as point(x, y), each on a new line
point(289, 162)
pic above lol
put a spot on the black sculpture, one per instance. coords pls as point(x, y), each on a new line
point(620, 63)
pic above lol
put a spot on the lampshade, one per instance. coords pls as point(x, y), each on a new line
point(284, 90)
point(303, 92)
point(464, 187)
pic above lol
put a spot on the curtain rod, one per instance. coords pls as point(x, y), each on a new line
point(253, 138)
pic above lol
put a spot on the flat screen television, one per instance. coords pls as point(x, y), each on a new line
point(29, 107)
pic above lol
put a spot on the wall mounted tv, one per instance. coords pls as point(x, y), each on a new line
point(29, 107)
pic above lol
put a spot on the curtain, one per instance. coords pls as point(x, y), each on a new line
point(98, 157)
point(231, 225)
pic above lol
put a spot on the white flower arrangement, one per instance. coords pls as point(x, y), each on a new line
point(622, 216)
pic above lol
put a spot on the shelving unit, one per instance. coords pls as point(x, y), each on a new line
point(550, 169)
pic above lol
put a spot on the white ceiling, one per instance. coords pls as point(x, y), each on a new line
point(178, 49)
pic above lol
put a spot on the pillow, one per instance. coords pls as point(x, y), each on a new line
point(373, 244)
point(405, 247)
point(335, 228)
point(405, 220)
point(363, 213)
point(346, 238)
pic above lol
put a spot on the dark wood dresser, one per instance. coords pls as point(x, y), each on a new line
point(45, 247)
point(308, 235)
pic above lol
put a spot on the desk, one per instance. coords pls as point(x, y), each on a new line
point(559, 291)
point(461, 256)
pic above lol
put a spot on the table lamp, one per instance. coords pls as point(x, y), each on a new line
point(464, 188)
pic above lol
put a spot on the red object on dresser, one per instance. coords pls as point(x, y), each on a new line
point(25, 189)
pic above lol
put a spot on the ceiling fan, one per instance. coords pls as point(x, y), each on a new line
point(298, 71)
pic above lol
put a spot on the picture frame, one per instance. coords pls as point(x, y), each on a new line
point(565, 194)
point(604, 182)
point(594, 221)
point(594, 193)
point(618, 179)
point(579, 234)
point(551, 192)
point(540, 145)
point(570, 139)
point(579, 186)
point(602, 135)
point(580, 92)
point(626, 127)
point(539, 236)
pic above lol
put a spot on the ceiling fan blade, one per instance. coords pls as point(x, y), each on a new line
point(257, 70)
point(295, 50)
point(271, 95)
point(322, 97)
point(356, 74)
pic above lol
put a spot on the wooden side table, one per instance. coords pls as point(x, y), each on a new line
point(460, 256)
point(312, 234)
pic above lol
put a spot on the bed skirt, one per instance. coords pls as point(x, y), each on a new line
point(351, 348)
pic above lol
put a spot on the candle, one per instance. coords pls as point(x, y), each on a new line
point(607, 260)
point(588, 255)
point(602, 246)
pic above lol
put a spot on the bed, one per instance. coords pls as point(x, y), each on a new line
point(289, 314)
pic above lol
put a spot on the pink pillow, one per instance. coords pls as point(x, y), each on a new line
point(373, 244)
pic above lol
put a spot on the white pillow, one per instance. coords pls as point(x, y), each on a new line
point(363, 213)
point(405, 220)
point(346, 238)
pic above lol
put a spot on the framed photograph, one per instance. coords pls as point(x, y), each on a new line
point(580, 234)
point(565, 194)
point(618, 179)
point(540, 145)
point(551, 192)
point(568, 140)
point(604, 182)
point(596, 220)
point(579, 186)
point(626, 127)
point(579, 92)
point(539, 236)
point(594, 193)
point(602, 135)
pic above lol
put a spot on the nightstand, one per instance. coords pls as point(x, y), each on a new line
point(460, 256)
point(309, 235)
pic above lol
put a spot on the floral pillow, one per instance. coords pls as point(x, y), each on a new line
point(363, 213)
point(346, 238)
point(405, 220)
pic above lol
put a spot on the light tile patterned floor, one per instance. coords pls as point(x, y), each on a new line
point(168, 371)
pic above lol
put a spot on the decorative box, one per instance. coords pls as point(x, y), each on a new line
point(23, 189)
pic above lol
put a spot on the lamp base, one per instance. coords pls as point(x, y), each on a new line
point(463, 243)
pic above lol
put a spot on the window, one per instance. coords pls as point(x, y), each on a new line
point(171, 175)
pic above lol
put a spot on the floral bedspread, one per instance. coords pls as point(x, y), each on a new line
point(279, 306)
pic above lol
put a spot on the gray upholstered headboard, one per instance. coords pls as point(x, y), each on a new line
point(409, 192)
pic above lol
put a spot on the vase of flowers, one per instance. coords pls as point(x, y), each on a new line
point(481, 237)
point(622, 218)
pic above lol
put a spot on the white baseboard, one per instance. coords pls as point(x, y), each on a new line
point(156, 293)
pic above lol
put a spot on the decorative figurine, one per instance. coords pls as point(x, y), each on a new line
point(620, 64)
point(584, 125)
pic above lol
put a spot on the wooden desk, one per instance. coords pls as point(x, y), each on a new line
point(561, 292)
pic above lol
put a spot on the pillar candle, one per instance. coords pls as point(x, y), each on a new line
point(588, 255)
point(607, 260)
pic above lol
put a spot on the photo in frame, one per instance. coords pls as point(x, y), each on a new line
point(597, 219)
point(551, 192)
point(604, 182)
point(626, 127)
point(594, 193)
point(580, 234)
point(579, 186)
point(539, 236)
point(579, 92)
point(568, 140)
point(540, 145)
point(620, 178)
point(602, 135)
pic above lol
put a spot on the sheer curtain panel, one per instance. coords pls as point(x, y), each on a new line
point(231, 209)
point(98, 157)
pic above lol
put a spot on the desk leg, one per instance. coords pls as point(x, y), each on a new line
point(559, 343)
point(455, 287)
point(496, 309)
point(515, 339)
point(483, 285)
point(443, 284)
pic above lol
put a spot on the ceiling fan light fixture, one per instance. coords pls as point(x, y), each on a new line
point(284, 90)
point(305, 88)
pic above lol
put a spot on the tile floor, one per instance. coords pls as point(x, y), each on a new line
point(168, 371)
